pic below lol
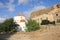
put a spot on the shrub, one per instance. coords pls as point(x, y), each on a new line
point(7, 26)
point(45, 22)
point(32, 25)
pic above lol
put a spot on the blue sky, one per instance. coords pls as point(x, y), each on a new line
point(10, 8)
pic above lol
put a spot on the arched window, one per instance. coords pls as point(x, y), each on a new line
point(56, 14)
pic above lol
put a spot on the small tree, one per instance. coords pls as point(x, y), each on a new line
point(7, 26)
point(32, 25)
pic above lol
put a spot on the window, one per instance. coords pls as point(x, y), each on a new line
point(56, 14)
point(58, 6)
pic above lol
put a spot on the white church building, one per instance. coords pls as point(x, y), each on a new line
point(20, 20)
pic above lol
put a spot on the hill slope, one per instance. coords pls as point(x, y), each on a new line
point(44, 11)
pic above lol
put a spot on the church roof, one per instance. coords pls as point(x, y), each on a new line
point(20, 15)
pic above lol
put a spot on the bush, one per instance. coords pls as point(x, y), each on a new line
point(45, 22)
point(32, 25)
point(7, 26)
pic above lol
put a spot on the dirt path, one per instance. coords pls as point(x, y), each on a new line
point(49, 32)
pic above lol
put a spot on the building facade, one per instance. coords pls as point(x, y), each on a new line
point(20, 20)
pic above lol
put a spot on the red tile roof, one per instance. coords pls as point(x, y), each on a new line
point(20, 15)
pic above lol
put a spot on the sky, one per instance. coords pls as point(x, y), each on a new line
point(10, 8)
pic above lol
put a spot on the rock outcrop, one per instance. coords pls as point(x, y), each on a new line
point(52, 13)
point(44, 11)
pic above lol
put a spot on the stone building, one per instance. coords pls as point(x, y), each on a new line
point(51, 14)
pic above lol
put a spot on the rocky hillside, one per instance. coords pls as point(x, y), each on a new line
point(43, 11)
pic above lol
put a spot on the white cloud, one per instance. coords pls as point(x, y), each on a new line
point(22, 2)
point(41, 2)
point(35, 8)
point(11, 1)
point(1, 5)
point(11, 7)
point(2, 19)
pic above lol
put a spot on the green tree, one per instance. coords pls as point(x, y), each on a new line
point(7, 26)
point(33, 25)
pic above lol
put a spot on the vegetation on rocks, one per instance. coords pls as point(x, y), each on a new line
point(32, 25)
point(46, 22)
point(8, 26)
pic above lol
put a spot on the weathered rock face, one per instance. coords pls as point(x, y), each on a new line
point(43, 11)
point(50, 14)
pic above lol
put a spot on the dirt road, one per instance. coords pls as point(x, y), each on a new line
point(49, 32)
